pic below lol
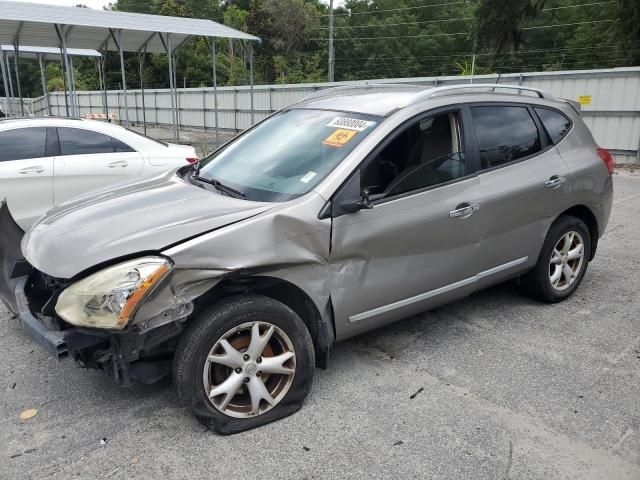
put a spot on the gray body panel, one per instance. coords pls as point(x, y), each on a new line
point(360, 270)
point(398, 250)
point(516, 209)
point(145, 216)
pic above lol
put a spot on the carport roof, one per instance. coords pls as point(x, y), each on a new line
point(34, 24)
point(32, 52)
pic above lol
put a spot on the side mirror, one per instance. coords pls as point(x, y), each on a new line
point(365, 199)
point(352, 198)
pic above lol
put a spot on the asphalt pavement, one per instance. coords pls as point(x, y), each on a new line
point(494, 386)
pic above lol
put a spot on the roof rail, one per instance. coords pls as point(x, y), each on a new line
point(330, 90)
point(425, 95)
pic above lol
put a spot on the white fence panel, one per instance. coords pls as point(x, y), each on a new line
point(611, 102)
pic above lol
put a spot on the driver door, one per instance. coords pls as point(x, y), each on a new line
point(416, 245)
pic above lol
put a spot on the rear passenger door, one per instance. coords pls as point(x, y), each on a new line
point(26, 173)
point(90, 160)
point(523, 187)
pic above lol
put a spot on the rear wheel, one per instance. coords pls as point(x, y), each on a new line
point(244, 362)
point(562, 263)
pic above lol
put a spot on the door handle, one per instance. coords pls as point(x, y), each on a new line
point(118, 163)
point(464, 210)
point(31, 170)
point(555, 181)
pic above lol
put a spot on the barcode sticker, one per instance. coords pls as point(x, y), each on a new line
point(350, 123)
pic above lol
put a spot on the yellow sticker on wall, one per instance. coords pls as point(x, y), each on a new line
point(339, 137)
point(584, 99)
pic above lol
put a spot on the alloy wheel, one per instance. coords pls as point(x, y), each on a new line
point(249, 370)
point(566, 260)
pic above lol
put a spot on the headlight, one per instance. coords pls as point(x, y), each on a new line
point(109, 298)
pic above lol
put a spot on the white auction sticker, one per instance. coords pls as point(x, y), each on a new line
point(308, 176)
point(350, 123)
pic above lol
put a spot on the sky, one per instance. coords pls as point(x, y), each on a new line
point(101, 3)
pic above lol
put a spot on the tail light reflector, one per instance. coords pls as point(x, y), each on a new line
point(193, 160)
point(607, 158)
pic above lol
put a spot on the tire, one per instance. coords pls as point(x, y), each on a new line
point(538, 282)
point(233, 320)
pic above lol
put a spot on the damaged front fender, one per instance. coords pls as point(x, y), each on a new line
point(290, 243)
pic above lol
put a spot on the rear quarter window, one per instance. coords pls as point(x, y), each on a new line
point(555, 123)
point(120, 146)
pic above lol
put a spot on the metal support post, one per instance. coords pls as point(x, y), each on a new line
point(62, 35)
point(332, 59)
point(74, 92)
point(5, 83)
point(64, 86)
point(45, 91)
point(215, 90)
point(118, 42)
point(16, 66)
point(167, 45)
point(253, 114)
point(144, 111)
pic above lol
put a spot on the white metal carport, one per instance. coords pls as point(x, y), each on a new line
point(42, 54)
point(72, 27)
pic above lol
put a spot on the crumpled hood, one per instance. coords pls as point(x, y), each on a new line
point(145, 216)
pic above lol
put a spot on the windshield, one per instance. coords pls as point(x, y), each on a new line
point(288, 154)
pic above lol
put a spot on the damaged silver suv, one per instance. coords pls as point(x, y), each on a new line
point(354, 208)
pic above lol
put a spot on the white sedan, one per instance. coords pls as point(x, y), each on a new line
point(47, 161)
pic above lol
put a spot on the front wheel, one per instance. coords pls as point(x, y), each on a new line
point(562, 263)
point(244, 362)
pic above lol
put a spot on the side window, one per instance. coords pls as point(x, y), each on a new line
point(76, 141)
point(504, 134)
point(556, 124)
point(23, 143)
point(425, 153)
point(119, 146)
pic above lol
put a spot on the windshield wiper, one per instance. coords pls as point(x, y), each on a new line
point(220, 186)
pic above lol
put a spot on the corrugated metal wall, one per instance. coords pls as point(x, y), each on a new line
point(611, 102)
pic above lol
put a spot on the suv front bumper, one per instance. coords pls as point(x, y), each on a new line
point(144, 356)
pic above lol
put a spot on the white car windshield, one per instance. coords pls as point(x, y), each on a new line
point(288, 154)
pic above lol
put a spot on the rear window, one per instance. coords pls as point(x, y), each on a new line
point(23, 143)
point(556, 124)
point(504, 134)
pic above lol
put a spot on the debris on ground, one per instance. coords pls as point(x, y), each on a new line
point(415, 394)
point(27, 414)
point(306, 449)
point(103, 441)
point(399, 442)
point(132, 461)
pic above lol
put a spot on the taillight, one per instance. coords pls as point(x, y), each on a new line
point(193, 159)
point(607, 158)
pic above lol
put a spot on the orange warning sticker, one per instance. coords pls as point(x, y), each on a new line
point(339, 137)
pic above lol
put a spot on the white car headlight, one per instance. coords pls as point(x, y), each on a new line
point(110, 297)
